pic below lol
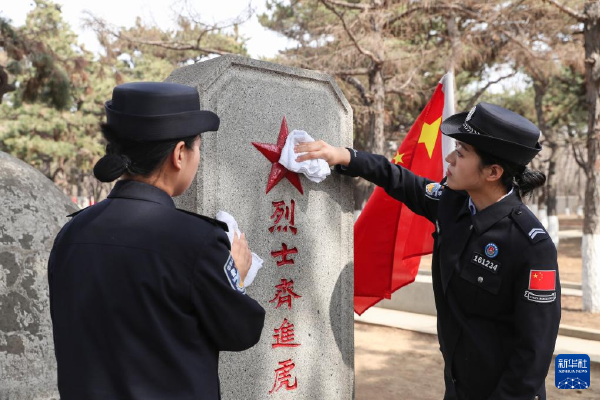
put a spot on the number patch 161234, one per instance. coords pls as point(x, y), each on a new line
point(485, 263)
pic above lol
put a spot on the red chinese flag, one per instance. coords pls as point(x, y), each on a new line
point(542, 280)
point(389, 239)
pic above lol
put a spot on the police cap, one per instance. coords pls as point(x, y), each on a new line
point(497, 131)
point(153, 111)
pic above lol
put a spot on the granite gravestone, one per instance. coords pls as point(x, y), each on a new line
point(32, 211)
point(302, 230)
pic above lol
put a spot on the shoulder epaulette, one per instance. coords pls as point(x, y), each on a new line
point(78, 211)
point(213, 221)
point(529, 224)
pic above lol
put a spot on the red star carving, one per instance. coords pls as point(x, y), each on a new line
point(273, 154)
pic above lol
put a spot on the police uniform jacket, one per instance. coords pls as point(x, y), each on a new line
point(496, 333)
point(143, 298)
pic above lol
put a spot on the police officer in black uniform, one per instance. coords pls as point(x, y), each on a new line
point(495, 272)
point(143, 295)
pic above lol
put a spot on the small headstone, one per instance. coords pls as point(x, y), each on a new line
point(32, 211)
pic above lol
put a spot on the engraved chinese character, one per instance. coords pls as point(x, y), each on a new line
point(283, 253)
point(283, 377)
point(285, 292)
point(284, 336)
point(281, 211)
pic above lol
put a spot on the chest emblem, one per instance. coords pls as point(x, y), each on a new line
point(491, 250)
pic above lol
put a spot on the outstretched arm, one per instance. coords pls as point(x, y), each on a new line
point(420, 194)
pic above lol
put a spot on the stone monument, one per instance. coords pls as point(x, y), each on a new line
point(302, 230)
point(32, 211)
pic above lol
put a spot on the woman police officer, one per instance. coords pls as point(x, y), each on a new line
point(495, 273)
point(143, 295)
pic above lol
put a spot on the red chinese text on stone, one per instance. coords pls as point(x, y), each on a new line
point(285, 293)
point(283, 253)
point(281, 211)
point(284, 336)
point(283, 377)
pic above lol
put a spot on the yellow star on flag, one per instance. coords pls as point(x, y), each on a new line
point(398, 158)
point(429, 134)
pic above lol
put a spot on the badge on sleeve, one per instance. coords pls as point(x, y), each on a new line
point(233, 276)
point(434, 190)
point(541, 280)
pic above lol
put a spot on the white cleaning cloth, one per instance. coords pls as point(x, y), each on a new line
point(232, 224)
point(314, 170)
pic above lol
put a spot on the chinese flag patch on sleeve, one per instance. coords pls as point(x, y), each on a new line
point(542, 280)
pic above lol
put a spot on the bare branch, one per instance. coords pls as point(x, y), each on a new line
point(101, 26)
point(354, 6)
point(578, 155)
point(467, 12)
point(389, 89)
point(347, 72)
point(409, 12)
point(398, 91)
point(173, 45)
point(243, 17)
point(577, 151)
point(567, 10)
point(522, 45)
point(481, 91)
point(366, 97)
point(360, 49)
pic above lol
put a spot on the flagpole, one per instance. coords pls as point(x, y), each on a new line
point(448, 144)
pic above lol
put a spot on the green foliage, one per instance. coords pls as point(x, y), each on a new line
point(56, 89)
point(44, 121)
point(51, 118)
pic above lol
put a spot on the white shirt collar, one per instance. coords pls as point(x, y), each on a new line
point(472, 207)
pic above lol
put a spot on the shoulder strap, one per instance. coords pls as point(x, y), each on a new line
point(529, 224)
point(213, 221)
point(78, 211)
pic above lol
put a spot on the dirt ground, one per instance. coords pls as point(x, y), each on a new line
point(569, 267)
point(394, 364)
point(569, 259)
point(574, 316)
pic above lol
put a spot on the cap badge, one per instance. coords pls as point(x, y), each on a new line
point(470, 114)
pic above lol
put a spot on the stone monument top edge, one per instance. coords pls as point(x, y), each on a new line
point(211, 70)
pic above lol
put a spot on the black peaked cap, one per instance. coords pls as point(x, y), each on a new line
point(154, 111)
point(497, 131)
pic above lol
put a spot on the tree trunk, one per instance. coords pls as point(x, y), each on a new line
point(455, 43)
point(362, 191)
point(377, 111)
point(556, 151)
point(590, 246)
point(375, 132)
